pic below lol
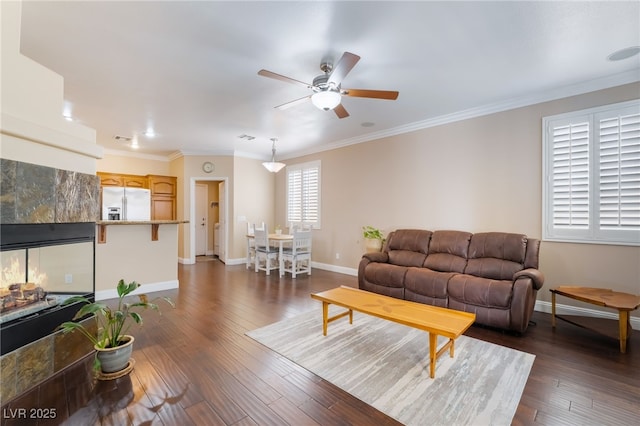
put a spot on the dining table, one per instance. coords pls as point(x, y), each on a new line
point(278, 238)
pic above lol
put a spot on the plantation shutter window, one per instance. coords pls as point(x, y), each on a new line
point(303, 193)
point(591, 188)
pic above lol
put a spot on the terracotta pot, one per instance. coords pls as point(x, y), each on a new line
point(115, 359)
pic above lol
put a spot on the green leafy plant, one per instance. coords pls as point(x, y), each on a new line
point(112, 323)
point(372, 233)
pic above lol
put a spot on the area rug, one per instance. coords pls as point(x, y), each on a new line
point(386, 365)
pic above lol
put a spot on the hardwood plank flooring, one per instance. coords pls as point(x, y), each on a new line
point(195, 366)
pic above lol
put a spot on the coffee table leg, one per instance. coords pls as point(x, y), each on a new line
point(624, 321)
point(433, 342)
point(325, 317)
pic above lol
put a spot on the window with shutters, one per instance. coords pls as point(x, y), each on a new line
point(303, 193)
point(591, 170)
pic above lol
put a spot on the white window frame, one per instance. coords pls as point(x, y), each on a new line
point(305, 217)
point(597, 190)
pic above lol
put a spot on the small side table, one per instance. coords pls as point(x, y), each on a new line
point(623, 302)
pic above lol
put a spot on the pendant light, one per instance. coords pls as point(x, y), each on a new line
point(273, 166)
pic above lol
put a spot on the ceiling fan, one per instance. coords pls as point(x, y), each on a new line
point(327, 92)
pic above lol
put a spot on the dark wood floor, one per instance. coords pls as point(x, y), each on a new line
point(195, 366)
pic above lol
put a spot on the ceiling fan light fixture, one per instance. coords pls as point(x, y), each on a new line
point(326, 100)
point(273, 166)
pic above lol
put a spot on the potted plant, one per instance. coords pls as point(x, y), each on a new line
point(113, 346)
point(373, 238)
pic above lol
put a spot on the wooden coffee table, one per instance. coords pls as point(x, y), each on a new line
point(623, 302)
point(432, 319)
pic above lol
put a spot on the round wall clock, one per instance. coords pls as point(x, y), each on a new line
point(207, 167)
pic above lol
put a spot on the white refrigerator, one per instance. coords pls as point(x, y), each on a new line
point(120, 203)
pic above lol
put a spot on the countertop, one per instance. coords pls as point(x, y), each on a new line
point(140, 222)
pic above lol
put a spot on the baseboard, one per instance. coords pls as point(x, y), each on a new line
point(335, 268)
point(145, 288)
point(542, 306)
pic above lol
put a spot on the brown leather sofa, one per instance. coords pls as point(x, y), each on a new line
point(493, 274)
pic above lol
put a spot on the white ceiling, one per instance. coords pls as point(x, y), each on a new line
point(189, 69)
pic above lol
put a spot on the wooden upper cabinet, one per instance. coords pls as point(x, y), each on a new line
point(118, 179)
point(136, 181)
point(110, 179)
point(163, 185)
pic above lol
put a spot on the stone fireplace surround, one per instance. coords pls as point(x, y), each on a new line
point(35, 194)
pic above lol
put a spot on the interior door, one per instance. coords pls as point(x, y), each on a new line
point(202, 219)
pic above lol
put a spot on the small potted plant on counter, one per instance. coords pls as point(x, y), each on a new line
point(373, 238)
point(113, 346)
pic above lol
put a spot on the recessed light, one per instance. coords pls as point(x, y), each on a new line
point(624, 53)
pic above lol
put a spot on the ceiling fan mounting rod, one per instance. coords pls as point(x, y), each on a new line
point(326, 67)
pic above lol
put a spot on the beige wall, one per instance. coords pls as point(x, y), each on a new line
point(32, 129)
point(254, 197)
point(481, 174)
point(135, 165)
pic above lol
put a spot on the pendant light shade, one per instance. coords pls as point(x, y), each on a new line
point(273, 166)
point(326, 100)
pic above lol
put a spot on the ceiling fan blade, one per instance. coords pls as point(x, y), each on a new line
point(378, 94)
point(270, 74)
point(342, 68)
point(293, 103)
point(340, 111)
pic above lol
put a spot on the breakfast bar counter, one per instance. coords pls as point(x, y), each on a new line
point(142, 251)
point(155, 225)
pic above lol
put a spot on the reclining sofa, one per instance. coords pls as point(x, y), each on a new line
point(492, 274)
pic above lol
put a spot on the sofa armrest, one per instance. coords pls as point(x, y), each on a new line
point(377, 256)
point(536, 276)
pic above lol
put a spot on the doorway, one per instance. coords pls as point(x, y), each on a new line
point(208, 218)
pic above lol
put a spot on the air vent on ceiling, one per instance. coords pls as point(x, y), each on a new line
point(122, 139)
point(247, 137)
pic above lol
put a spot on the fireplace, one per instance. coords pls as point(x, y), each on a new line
point(42, 264)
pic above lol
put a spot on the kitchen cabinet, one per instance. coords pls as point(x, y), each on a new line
point(164, 191)
point(115, 179)
point(163, 197)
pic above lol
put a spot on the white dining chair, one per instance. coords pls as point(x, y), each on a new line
point(266, 256)
point(297, 258)
point(251, 247)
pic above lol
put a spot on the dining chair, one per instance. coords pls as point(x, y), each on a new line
point(297, 258)
point(266, 256)
point(251, 247)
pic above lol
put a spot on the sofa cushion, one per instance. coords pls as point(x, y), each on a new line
point(385, 274)
point(448, 251)
point(416, 240)
point(406, 258)
point(472, 290)
point(496, 255)
point(427, 286)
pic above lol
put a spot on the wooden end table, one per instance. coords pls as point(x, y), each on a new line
point(623, 302)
